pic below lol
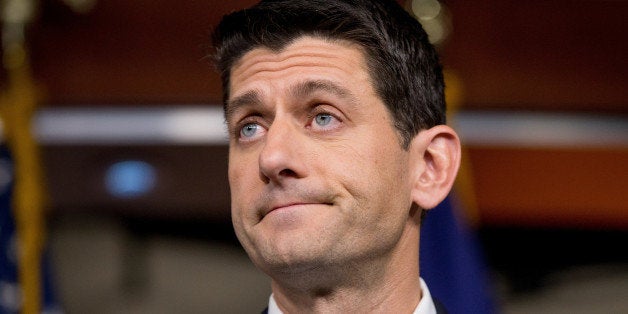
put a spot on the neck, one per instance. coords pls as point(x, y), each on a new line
point(389, 283)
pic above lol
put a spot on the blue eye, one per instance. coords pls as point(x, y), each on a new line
point(323, 119)
point(249, 130)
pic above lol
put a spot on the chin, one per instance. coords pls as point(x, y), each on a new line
point(294, 260)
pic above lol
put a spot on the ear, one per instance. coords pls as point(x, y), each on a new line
point(435, 161)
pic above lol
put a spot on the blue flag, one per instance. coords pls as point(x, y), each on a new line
point(9, 287)
point(452, 264)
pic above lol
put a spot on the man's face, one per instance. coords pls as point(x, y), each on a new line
point(317, 173)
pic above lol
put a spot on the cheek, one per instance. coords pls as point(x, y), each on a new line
point(371, 172)
point(241, 198)
point(382, 179)
point(242, 169)
point(242, 174)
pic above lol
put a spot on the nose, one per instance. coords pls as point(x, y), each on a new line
point(281, 156)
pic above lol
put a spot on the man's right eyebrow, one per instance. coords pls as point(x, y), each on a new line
point(250, 98)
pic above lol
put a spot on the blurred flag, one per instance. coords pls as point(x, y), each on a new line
point(9, 288)
point(24, 279)
point(452, 263)
point(11, 296)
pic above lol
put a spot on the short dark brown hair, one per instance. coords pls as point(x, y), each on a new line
point(403, 65)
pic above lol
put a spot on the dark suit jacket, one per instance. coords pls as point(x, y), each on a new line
point(440, 308)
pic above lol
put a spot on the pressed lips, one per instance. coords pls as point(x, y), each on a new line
point(290, 204)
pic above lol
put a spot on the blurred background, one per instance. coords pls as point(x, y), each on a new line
point(113, 135)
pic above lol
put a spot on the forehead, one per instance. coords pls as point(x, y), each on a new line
point(315, 58)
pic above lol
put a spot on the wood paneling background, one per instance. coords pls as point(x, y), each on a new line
point(576, 188)
point(550, 55)
point(557, 54)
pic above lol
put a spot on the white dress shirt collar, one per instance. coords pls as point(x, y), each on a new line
point(425, 306)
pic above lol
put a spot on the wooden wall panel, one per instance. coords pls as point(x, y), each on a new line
point(576, 188)
point(551, 55)
point(128, 52)
point(557, 55)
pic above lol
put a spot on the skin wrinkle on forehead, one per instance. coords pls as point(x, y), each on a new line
point(262, 60)
point(265, 54)
point(302, 90)
point(306, 88)
point(261, 56)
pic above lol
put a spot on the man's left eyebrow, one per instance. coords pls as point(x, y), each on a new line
point(306, 88)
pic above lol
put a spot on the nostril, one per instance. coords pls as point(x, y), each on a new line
point(287, 173)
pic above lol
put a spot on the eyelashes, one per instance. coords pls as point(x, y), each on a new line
point(319, 120)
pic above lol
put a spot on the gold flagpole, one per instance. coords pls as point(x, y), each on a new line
point(17, 105)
